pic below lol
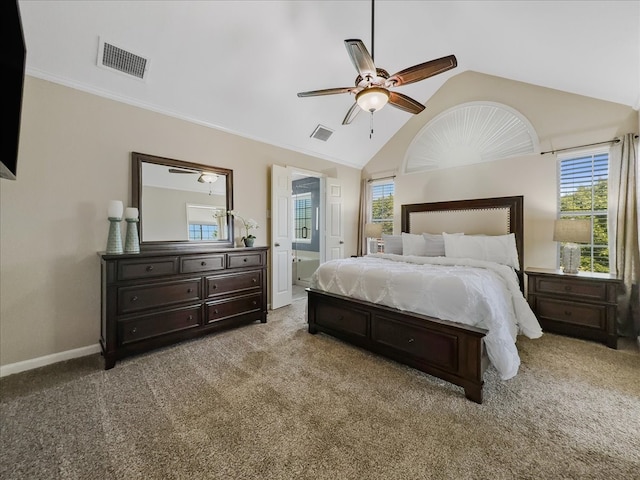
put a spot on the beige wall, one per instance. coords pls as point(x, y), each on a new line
point(74, 157)
point(560, 120)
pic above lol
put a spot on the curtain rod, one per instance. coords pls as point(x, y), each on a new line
point(614, 140)
point(380, 178)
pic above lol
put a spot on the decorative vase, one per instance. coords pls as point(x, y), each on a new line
point(248, 242)
point(114, 241)
point(132, 242)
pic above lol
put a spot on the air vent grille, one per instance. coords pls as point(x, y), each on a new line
point(322, 133)
point(112, 57)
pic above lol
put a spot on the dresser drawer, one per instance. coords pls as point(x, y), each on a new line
point(221, 284)
point(133, 299)
point(236, 306)
point(344, 319)
point(202, 263)
point(237, 260)
point(572, 313)
point(159, 324)
point(147, 268)
point(572, 288)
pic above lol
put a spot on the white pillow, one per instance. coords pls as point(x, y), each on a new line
point(435, 244)
point(392, 243)
point(413, 244)
point(493, 248)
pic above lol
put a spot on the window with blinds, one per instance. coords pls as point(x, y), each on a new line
point(302, 218)
point(582, 193)
point(381, 204)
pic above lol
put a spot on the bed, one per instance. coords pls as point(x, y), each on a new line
point(350, 299)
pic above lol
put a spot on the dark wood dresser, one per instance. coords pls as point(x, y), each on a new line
point(582, 305)
point(153, 299)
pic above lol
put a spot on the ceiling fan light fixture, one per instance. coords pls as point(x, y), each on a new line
point(372, 99)
point(208, 177)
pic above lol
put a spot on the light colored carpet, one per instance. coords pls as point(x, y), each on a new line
point(271, 401)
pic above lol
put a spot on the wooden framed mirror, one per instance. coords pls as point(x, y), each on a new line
point(181, 204)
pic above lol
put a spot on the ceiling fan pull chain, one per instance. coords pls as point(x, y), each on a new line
point(371, 126)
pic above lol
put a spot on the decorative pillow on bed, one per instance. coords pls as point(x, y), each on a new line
point(392, 244)
point(435, 244)
point(424, 245)
point(413, 244)
point(493, 248)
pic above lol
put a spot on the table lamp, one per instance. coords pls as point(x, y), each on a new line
point(373, 231)
point(571, 232)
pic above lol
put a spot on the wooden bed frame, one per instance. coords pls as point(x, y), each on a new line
point(451, 351)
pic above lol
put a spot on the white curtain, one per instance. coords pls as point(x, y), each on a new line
point(363, 217)
point(624, 220)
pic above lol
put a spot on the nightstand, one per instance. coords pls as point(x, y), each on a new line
point(582, 305)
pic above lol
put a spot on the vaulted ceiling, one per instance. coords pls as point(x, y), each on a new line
point(238, 65)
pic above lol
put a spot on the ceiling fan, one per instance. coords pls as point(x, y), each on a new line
point(372, 85)
point(205, 177)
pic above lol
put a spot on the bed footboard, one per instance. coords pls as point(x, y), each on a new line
point(447, 350)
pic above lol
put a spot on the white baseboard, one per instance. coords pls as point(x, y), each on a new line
point(48, 360)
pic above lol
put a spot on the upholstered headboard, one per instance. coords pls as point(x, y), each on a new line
point(489, 216)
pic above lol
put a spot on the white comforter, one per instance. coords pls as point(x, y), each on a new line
point(473, 292)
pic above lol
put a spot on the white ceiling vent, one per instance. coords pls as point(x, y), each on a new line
point(322, 133)
point(117, 59)
point(471, 133)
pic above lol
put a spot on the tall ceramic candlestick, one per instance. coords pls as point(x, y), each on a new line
point(132, 242)
point(114, 213)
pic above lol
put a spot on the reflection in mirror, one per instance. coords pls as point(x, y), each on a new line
point(181, 203)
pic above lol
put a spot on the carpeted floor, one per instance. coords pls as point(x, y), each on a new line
point(271, 401)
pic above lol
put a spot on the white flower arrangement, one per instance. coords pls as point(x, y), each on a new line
point(248, 224)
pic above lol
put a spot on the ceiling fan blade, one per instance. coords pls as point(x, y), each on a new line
point(405, 103)
point(422, 71)
point(351, 114)
point(175, 170)
point(327, 91)
point(360, 57)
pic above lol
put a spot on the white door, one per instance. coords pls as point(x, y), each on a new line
point(281, 237)
point(334, 221)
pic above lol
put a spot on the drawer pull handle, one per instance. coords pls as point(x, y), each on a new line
point(203, 263)
point(567, 313)
point(214, 286)
point(189, 290)
point(190, 317)
point(567, 288)
point(134, 298)
point(255, 303)
point(149, 268)
point(244, 259)
point(255, 280)
point(411, 340)
point(134, 330)
point(215, 311)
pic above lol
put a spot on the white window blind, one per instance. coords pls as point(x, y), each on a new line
point(381, 204)
point(582, 193)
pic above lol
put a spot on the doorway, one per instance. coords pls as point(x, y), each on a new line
point(306, 229)
point(306, 253)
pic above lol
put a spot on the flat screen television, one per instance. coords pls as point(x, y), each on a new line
point(12, 64)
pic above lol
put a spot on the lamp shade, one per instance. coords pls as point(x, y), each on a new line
point(372, 99)
point(572, 231)
point(373, 230)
